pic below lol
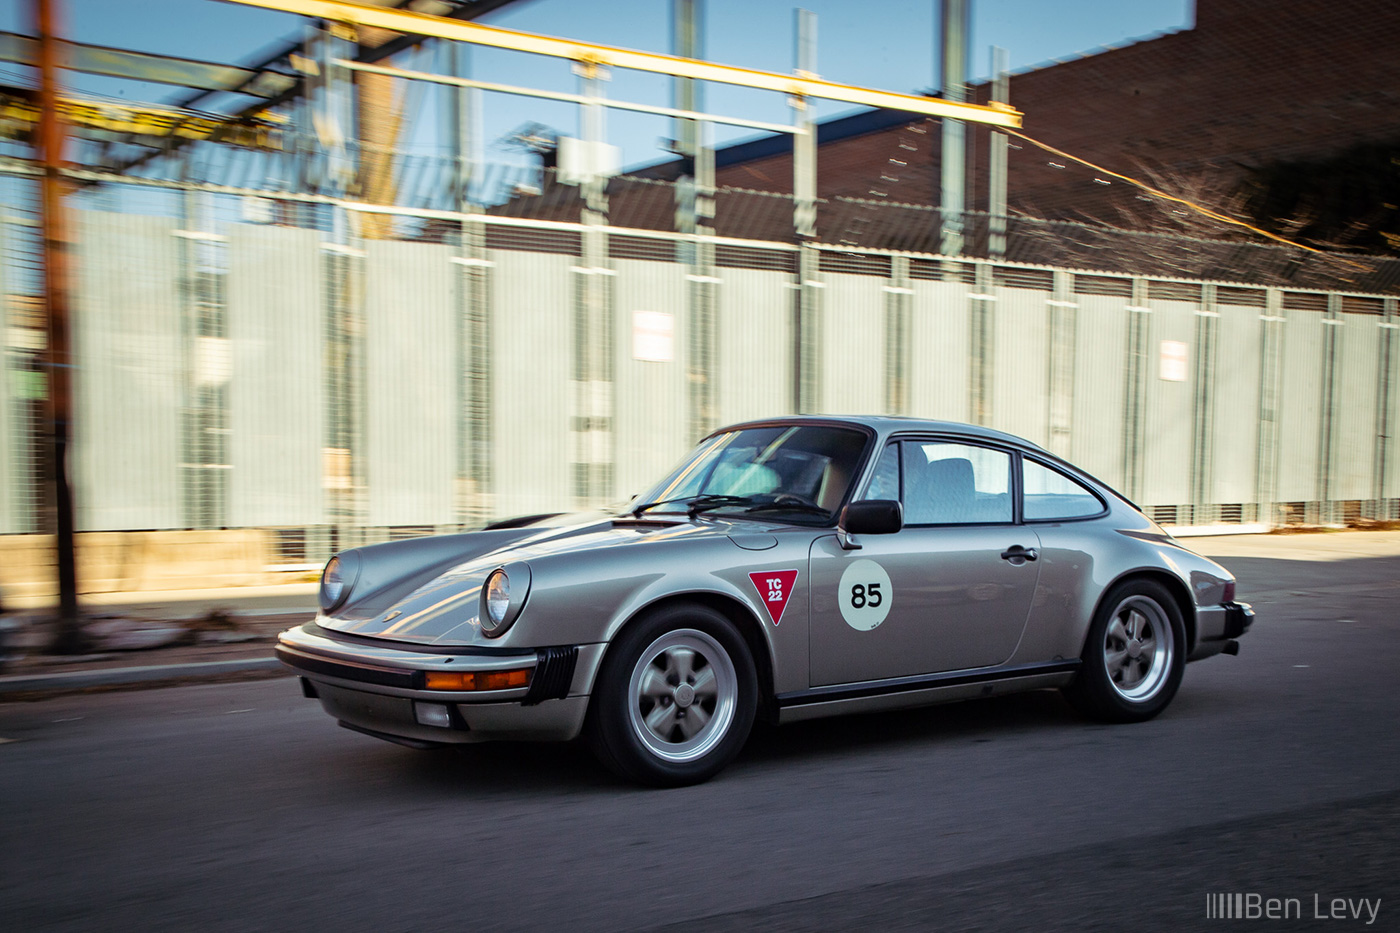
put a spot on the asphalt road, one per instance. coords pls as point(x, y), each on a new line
point(242, 807)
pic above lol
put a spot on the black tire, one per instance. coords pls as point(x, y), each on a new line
point(674, 699)
point(1134, 655)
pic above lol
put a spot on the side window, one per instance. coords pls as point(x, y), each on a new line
point(955, 484)
point(1050, 495)
point(885, 483)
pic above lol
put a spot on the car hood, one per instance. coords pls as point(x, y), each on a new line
point(445, 609)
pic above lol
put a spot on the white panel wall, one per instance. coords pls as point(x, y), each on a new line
point(1100, 353)
point(1020, 371)
point(652, 415)
point(938, 370)
point(1167, 438)
point(1354, 431)
point(852, 344)
point(531, 366)
point(128, 375)
point(1300, 415)
point(755, 365)
point(1236, 436)
point(411, 362)
point(276, 398)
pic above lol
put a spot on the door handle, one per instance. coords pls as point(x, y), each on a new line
point(1018, 555)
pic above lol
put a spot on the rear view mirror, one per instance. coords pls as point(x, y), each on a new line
point(872, 517)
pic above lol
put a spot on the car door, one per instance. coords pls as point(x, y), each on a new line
point(951, 591)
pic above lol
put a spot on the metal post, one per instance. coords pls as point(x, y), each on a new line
point(343, 278)
point(899, 349)
point(1203, 409)
point(204, 428)
point(804, 142)
point(475, 427)
point(695, 209)
point(996, 184)
point(1327, 440)
point(686, 94)
point(1136, 374)
point(1271, 337)
point(1064, 322)
point(953, 73)
point(1385, 409)
point(807, 305)
point(981, 341)
point(593, 320)
point(58, 355)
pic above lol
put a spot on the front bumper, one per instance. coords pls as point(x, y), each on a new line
point(1217, 626)
point(376, 687)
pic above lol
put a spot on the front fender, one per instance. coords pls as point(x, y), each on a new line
point(589, 597)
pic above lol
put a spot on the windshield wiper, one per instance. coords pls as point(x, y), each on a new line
point(696, 504)
point(790, 507)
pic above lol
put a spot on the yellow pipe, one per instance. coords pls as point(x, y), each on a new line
point(406, 21)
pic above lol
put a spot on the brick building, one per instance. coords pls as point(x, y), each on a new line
point(1290, 101)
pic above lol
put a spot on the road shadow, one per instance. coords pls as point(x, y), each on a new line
point(972, 722)
point(568, 769)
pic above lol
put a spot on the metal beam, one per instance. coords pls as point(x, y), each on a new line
point(363, 14)
point(454, 81)
point(143, 66)
point(392, 47)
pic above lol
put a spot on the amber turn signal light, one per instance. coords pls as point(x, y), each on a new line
point(478, 680)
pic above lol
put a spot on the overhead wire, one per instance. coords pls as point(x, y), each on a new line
point(1157, 192)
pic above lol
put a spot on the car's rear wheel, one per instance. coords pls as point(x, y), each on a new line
point(1134, 656)
point(675, 698)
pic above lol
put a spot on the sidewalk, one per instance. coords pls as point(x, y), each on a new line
point(154, 638)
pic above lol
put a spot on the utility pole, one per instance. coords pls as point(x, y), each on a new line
point(58, 358)
point(953, 75)
point(807, 308)
point(695, 215)
point(996, 191)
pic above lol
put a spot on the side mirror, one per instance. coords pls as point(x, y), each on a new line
point(872, 517)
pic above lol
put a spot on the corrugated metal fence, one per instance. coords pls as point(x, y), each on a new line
point(262, 376)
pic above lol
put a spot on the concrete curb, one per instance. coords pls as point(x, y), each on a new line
point(78, 680)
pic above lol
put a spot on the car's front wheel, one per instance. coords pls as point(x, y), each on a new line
point(675, 698)
point(1134, 656)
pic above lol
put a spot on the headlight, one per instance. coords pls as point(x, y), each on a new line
point(338, 579)
point(497, 598)
point(502, 597)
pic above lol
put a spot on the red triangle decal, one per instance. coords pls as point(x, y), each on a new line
point(774, 587)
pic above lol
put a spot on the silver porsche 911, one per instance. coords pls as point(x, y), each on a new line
point(789, 569)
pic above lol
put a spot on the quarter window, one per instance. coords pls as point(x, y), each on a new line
point(1051, 495)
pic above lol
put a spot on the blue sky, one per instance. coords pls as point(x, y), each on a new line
point(887, 44)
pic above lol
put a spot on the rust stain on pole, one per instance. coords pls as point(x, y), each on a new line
point(58, 362)
point(380, 122)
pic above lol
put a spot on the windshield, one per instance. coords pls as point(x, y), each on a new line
point(785, 472)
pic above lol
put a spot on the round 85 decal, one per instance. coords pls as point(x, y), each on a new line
point(865, 595)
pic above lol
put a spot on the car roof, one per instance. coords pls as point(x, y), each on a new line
point(885, 425)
